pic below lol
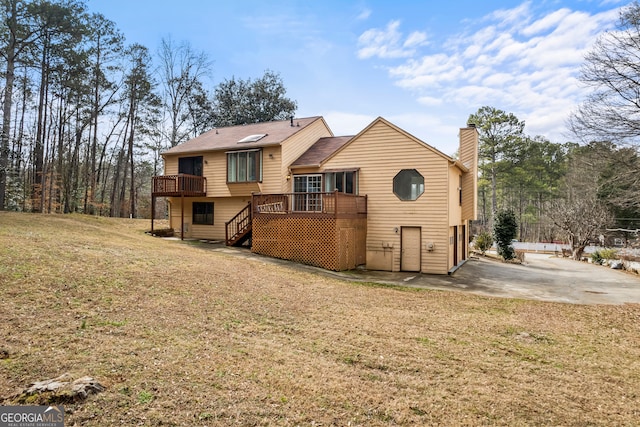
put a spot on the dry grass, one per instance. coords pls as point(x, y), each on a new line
point(184, 336)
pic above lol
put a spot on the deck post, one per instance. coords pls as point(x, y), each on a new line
point(182, 216)
point(153, 211)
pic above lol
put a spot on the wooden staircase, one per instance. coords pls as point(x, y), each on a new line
point(238, 229)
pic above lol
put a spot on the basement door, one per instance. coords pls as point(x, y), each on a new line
point(410, 243)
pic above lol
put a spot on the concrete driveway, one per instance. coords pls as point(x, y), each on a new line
point(542, 277)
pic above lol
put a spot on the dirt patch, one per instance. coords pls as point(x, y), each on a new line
point(180, 335)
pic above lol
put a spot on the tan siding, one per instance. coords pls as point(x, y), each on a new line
point(381, 153)
point(223, 210)
point(455, 210)
point(295, 146)
point(469, 158)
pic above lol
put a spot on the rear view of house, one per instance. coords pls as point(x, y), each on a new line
point(381, 199)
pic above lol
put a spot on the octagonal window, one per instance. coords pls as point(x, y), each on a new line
point(408, 184)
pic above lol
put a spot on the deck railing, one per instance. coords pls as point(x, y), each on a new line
point(334, 204)
point(179, 185)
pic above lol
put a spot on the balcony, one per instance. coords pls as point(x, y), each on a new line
point(181, 185)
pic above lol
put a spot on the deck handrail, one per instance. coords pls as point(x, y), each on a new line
point(334, 203)
point(180, 184)
point(238, 225)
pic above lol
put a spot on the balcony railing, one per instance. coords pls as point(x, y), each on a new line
point(179, 185)
point(310, 204)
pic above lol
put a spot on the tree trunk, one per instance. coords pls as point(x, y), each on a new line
point(7, 104)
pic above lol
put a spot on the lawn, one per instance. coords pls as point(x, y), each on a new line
point(183, 336)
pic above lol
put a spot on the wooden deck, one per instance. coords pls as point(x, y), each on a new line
point(326, 230)
point(181, 185)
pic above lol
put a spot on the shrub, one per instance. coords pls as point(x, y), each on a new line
point(601, 255)
point(505, 229)
point(483, 241)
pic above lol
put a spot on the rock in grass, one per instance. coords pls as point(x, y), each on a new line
point(59, 390)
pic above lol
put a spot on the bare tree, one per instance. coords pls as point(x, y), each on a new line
point(612, 111)
point(580, 213)
point(181, 72)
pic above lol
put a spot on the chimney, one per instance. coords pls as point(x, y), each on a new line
point(469, 158)
point(291, 121)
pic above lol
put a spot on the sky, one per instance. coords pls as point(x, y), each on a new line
point(423, 65)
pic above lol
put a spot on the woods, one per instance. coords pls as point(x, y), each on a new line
point(85, 115)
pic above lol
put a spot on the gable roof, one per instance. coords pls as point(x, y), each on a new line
point(227, 138)
point(403, 132)
point(320, 151)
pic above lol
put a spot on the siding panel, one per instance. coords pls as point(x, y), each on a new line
point(380, 153)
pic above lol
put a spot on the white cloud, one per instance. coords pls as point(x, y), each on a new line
point(364, 14)
point(515, 59)
point(388, 42)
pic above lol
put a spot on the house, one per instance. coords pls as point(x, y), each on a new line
point(290, 189)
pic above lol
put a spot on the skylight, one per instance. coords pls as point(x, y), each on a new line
point(253, 138)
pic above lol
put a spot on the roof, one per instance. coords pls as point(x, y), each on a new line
point(320, 151)
point(407, 134)
point(226, 138)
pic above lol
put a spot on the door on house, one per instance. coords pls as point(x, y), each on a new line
point(307, 184)
point(410, 243)
point(456, 240)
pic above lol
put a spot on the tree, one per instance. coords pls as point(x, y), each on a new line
point(498, 131)
point(580, 214)
point(505, 229)
point(105, 46)
point(19, 32)
point(140, 101)
point(240, 101)
point(181, 72)
point(612, 111)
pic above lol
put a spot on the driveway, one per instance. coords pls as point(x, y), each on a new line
point(542, 277)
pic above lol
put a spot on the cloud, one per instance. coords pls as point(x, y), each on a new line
point(388, 42)
point(520, 60)
point(364, 14)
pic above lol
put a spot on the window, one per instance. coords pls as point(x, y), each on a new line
point(203, 213)
point(244, 166)
point(307, 184)
point(408, 184)
point(190, 165)
point(344, 182)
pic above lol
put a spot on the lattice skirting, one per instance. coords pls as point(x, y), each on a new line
point(333, 244)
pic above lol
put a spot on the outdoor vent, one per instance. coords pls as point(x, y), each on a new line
point(253, 138)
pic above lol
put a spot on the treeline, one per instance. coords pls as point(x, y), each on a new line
point(568, 192)
point(85, 115)
point(576, 192)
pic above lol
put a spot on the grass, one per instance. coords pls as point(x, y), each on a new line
point(183, 336)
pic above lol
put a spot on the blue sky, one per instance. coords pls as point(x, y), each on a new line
point(423, 65)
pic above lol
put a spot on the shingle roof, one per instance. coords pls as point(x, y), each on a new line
point(227, 138)
point(320, 151)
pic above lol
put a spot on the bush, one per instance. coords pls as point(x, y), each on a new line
point(505, 229)
point(483, 241)
point(601, 255)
